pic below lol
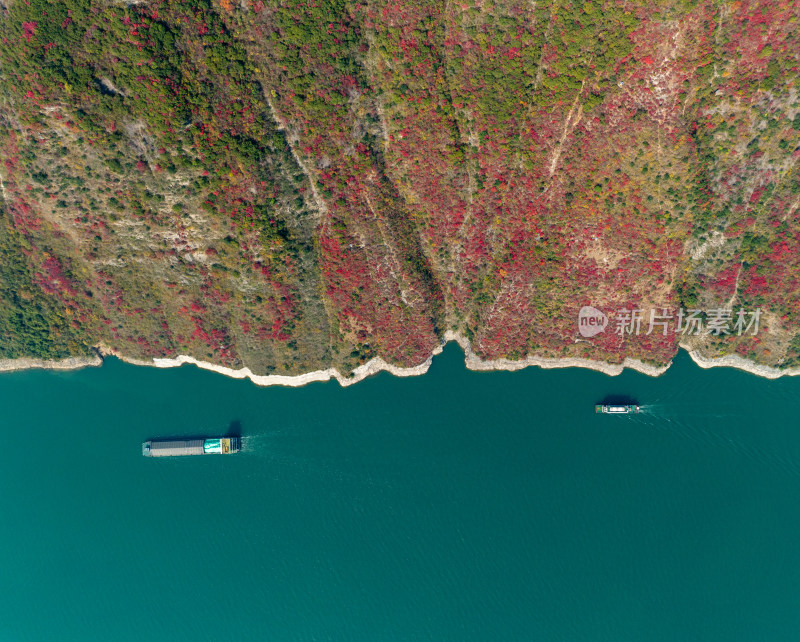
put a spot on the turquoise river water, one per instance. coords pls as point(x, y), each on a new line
point(453, 506)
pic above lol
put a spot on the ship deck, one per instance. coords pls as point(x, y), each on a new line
point(175, 448)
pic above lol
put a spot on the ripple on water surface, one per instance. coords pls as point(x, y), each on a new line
point(454, 506)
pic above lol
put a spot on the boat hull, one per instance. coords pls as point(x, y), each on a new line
point(188, 447)
point(614, 409)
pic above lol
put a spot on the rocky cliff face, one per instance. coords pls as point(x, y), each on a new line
point(291, 186)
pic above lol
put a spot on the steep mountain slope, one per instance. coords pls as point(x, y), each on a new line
point(296, 185)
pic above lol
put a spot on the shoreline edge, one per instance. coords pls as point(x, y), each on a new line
point(377, 364)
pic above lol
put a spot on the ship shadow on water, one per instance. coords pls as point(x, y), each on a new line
point(234, 430)
point(618, 400)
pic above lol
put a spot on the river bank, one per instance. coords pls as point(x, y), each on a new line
point(376, 365)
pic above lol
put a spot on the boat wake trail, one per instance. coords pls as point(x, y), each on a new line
point(253, 444)
point(701, 430)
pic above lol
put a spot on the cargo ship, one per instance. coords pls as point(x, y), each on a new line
point(183, 447)
point(616, 410)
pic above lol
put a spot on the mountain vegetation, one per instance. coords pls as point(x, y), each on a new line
point(289, 185)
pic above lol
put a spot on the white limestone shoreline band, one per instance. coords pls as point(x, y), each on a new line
point(376, 365)
point(740, 363)
point(474, 362)
point(71, 363)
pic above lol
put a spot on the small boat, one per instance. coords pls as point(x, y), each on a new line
point(610, 409)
